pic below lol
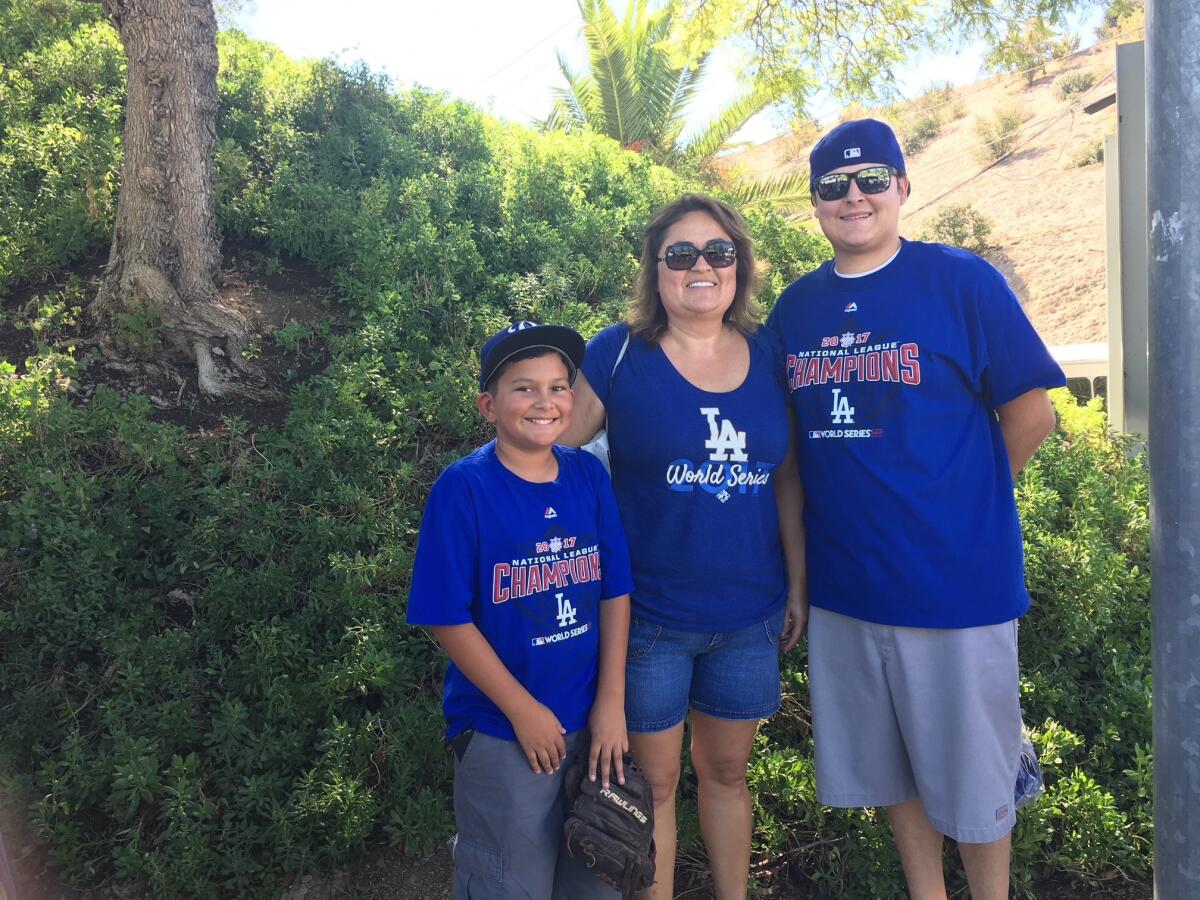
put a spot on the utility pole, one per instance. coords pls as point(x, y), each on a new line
point(1173, 156)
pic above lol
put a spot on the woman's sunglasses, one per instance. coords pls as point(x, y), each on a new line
point(682, 256)
point(874, 180)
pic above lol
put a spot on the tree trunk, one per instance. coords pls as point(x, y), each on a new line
point(159, 295)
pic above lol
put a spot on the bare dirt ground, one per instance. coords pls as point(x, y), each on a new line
point(1047, 213)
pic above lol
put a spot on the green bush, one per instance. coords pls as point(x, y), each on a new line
point(62, 94)
point(917, 133)
point(960, 225)
point(1088, 154)
point(1027, 47)
point(1074, 83)
point(999, 134)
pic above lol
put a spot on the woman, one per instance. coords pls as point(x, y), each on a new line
point(700, 442)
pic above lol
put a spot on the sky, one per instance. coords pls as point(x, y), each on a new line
point(502, 57)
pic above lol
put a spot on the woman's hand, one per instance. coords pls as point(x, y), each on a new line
point(795, 618)
point(610, 741)
point(540, 735)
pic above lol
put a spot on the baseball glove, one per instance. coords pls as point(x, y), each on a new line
point(611, 830)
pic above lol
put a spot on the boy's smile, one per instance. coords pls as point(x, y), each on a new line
point(532, 402)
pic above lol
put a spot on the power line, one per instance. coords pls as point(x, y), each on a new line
point(1069, 109)
point(520, 56)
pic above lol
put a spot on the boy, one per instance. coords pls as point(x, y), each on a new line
point(522, 574)
point(919, 388)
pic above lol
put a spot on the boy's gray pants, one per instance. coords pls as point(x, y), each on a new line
point(510, 820)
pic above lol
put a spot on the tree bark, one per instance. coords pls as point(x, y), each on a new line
point(164, 265)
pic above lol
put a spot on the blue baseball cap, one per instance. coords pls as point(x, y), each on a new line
point(856, 141)
point(508, 342)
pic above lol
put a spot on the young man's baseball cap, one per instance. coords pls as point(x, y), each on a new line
point(508, 342)
point(856, 141)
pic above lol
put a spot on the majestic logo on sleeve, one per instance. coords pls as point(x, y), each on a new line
point(727, 469)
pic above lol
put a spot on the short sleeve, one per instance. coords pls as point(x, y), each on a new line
point(616, 572)
point(1015, 359)
point(601, 357)
point(444, 573)
point(767, 341)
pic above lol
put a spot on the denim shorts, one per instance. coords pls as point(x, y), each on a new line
point(727, 675)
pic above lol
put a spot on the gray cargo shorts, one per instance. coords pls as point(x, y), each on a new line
point(510, 821)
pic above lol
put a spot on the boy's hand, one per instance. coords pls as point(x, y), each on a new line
point(609, 741)
point(540, 735)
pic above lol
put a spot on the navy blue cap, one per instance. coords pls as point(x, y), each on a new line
point(853, 142)
point(508, 342)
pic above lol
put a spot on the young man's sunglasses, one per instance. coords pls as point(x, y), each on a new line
point(874, 180)
point(683, 255)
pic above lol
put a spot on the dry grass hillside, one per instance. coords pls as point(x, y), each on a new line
point(1047, 211)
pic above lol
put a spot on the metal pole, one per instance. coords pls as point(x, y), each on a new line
point(1134, 284)
point(1173, 133)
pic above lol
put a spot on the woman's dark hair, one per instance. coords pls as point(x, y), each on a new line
point(647, 317)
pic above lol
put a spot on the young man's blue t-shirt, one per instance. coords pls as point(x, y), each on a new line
point(693, 473)
point(895, 377)
point(529, 564)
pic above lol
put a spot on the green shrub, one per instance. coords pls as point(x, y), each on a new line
point(1027, 47)
point(999, 134)
point(960, 225)
point(1088, 154)
point(61, 98)
point(918, 132)
point(1074, 83)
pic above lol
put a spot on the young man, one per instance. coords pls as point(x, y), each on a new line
point(522, 573)
point(920, 390)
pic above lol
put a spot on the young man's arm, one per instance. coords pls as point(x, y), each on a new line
point(607, 720)
point(1025, 422)
point(789, 498)
point(538, 730)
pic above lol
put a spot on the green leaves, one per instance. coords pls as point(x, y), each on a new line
point(639, 93)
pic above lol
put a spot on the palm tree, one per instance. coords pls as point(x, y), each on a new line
point(635, 94)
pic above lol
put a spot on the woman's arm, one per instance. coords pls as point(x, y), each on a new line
point(789, 497)
point(588, 416)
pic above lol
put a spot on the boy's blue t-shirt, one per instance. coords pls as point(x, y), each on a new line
point(528, 563)
point(895, 377)
point(693, 473)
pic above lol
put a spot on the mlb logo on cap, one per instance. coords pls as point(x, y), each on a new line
point(852, 153)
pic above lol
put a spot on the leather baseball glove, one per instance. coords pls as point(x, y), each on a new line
point(611, 830)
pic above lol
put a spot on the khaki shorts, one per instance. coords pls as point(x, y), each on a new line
point(900, 713)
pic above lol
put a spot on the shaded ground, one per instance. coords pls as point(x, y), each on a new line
point(272, 295)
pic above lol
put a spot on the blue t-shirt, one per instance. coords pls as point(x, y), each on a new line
point(693, 474)
point(895, 377)
point(528, 563)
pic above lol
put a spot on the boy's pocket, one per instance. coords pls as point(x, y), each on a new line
point(478, 871)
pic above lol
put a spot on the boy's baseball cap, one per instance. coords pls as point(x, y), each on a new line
point(856, 141)
point(507, 342)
